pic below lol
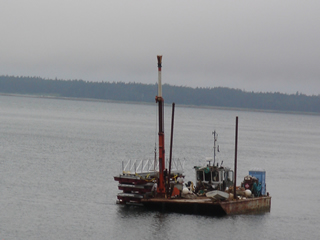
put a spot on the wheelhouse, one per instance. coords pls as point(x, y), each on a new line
point(218, 178)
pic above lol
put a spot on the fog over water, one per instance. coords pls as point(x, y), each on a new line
point(251, 45)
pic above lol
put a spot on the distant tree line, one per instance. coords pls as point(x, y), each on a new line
point(120, 91)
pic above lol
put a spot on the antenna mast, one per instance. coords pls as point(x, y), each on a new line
point(215, 137)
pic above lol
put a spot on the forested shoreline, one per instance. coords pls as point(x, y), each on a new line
point(138, 92)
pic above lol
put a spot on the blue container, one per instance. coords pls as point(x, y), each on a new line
point(260, 174)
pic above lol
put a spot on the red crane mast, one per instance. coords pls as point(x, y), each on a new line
point(161, 184)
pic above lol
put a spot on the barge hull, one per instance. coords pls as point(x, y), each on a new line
point(186, 206)
point(249, 205)
point(206, 206)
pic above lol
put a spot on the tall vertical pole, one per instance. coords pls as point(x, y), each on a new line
point(214, 147)
point(171, 143)
point(235, 161)
point(161, 184)
point(159, 57)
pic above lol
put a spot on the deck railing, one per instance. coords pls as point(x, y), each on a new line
point(149, 166)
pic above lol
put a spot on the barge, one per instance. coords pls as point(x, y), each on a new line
point(151, 185)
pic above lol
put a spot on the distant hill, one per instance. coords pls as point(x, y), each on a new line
point(137, 92)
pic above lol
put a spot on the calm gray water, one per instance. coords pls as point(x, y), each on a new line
point(58, 159)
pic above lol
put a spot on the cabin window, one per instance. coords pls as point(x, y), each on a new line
point(230, 176)
point(199, 175)
point(207, 176)
point(215, 176)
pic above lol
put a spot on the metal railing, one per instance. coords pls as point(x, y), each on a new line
point(148, 166)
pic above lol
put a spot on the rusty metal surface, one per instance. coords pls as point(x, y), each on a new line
point(250, 205)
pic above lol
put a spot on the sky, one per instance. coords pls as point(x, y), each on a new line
point(260, 46)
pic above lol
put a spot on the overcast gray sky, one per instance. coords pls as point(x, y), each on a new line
point(252, 45)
